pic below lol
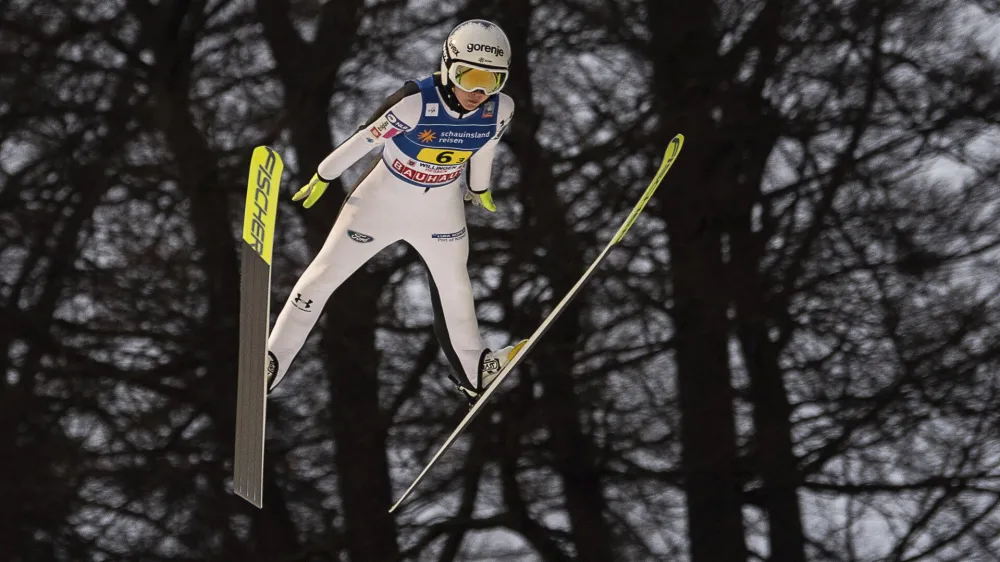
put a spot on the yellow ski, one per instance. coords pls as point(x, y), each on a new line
point(673, 149)
point(255, 305)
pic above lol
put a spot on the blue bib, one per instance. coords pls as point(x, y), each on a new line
point(439, 145)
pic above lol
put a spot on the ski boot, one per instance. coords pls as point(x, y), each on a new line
point(270, 370)
point(490, 365)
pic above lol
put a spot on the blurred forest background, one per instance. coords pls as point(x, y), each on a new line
point(792, 356)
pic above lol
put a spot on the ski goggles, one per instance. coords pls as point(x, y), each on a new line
point(471, 78)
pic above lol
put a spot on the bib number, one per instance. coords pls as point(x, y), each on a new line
point(443, 156)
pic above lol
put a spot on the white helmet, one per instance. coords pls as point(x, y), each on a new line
point(477, 44)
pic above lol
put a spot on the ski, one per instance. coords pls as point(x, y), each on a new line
point(673, 149)
point(255, 305)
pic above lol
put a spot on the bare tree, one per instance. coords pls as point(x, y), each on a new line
point(794, 350)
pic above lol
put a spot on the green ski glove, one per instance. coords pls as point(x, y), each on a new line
point(484, 199)
point(311, 191)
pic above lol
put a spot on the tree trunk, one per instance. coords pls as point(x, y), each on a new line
point(574, 454)
point(774, 457)
point(709, 461)
point(308, 71)
point(708, 436)
point(198, 173)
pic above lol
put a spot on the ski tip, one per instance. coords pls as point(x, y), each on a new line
point(669, 155)
point(674, 146)
point(263, 150)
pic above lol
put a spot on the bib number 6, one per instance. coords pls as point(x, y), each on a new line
point(443, 156)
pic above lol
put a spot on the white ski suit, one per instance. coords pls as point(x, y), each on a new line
point(412, 194)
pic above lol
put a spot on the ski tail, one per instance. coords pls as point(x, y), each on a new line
point(255, 303)
point(673, 149)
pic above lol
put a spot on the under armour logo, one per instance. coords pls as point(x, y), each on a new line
point(301, 303)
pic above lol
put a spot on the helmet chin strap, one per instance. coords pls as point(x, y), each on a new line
point(449, 97)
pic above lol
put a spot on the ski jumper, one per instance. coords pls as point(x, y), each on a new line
point(414, 194)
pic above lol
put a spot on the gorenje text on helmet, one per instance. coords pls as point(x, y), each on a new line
point(492, 49)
